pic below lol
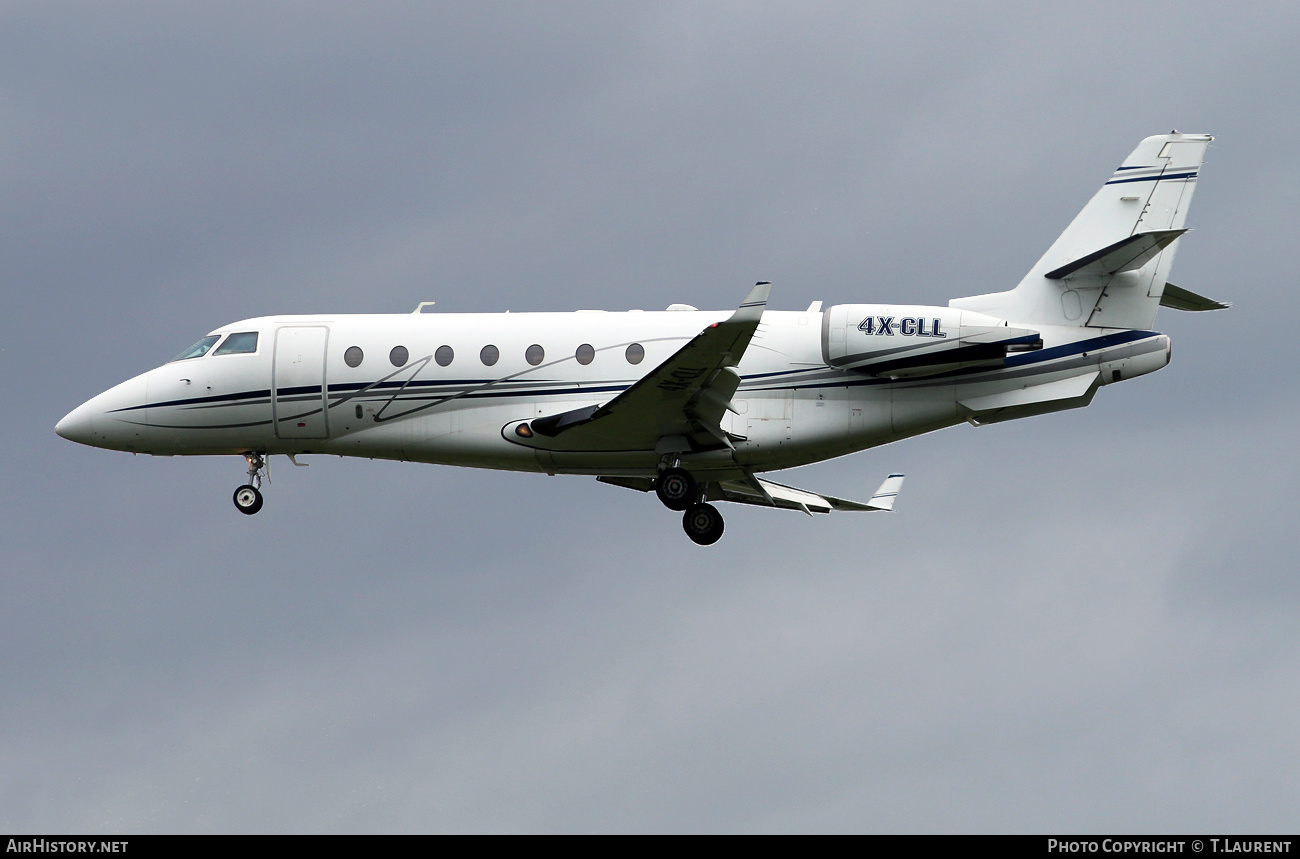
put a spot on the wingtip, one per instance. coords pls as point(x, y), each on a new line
point(884, 497)
point(758, 295)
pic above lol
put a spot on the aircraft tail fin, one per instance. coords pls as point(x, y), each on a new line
point(1110, 266)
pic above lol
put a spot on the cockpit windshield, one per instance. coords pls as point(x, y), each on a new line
point(239, 343)
point(199, 349)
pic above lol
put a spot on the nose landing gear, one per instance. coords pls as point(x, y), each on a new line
point(248, 498)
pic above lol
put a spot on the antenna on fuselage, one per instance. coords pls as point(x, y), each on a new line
point(419, 308)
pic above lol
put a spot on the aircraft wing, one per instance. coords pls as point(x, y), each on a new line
point(765, 493)
point(768, 494)
point(677, 406)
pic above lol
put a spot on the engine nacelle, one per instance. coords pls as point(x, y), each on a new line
point(898, 340)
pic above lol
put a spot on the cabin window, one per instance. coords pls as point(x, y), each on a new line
point(239, 343)
point(398, 356)
point(360, 414)
point(444, 355)
point(199, 349)
point(535, 354)
point(635, 353)
point(585, 354)
point(489, 355)
point(353, 356)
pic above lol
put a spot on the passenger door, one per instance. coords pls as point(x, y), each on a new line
point(298, 394)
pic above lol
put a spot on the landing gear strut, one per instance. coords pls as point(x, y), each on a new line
point(676, 488)
point(703, 524)
point(248, 498)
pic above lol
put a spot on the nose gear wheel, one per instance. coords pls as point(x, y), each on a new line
point(248, 498)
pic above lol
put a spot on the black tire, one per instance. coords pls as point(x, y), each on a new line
point(247, 499)
point(676, 488)
point(703, 524)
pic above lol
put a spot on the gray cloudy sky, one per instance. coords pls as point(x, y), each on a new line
point(1081, 622)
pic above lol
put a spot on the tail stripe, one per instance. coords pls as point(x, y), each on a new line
point(1191, 174)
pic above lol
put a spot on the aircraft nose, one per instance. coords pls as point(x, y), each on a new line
point(114, 420)
point(78, 425)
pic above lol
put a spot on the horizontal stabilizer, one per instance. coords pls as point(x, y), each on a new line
point(1184, 299)
point(1128, 254)
point(769, 494)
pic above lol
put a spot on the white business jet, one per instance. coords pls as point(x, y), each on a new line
point(692, 405)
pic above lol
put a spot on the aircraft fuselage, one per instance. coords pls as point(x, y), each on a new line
point(416, 387)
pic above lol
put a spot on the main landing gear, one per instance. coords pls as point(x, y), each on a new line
point(248, 498)
point(678, 490)
point(703, 524)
